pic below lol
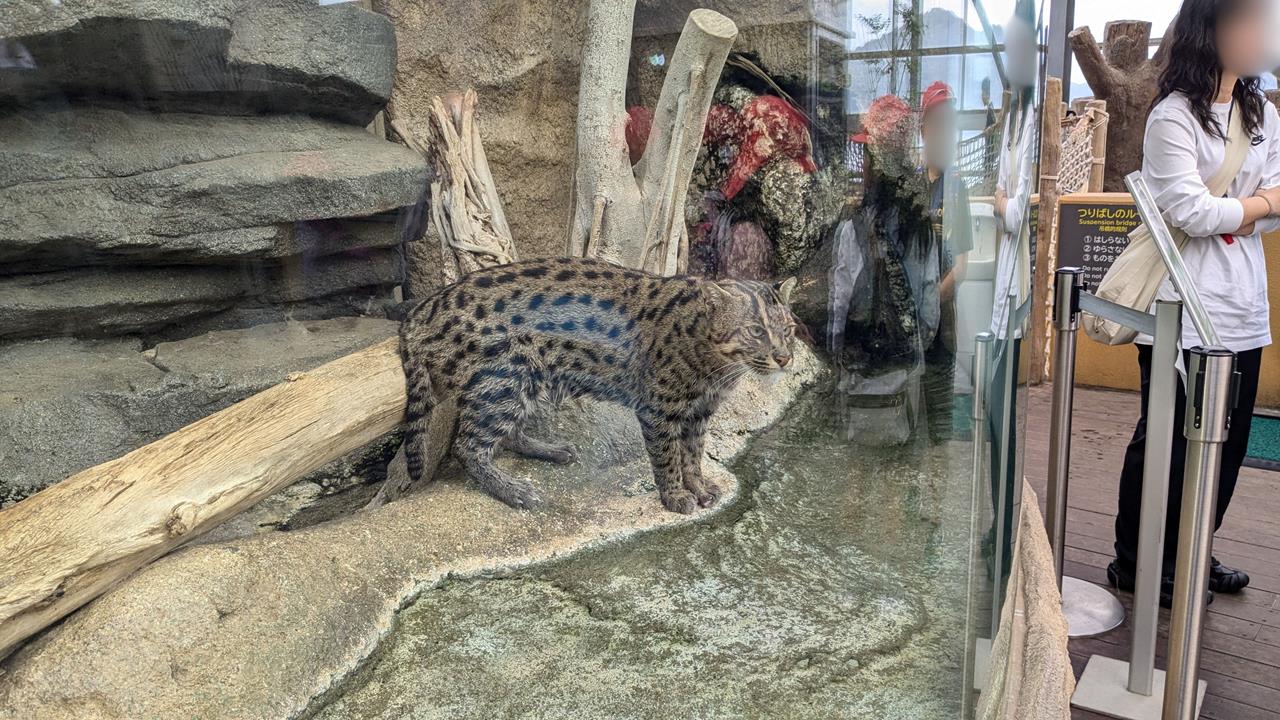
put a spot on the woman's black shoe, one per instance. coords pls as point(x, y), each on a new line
point(1122, 578)
point(1226, 580)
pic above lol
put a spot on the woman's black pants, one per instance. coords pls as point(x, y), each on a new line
point(1249, 364)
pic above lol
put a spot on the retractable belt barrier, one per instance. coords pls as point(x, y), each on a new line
point(1107, 685)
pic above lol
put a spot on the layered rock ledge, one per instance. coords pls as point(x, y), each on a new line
point(92, 302)
point(211, 56)
point(96, 185)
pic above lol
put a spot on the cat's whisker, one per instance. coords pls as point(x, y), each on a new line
point(714, 374)
point(731, 378)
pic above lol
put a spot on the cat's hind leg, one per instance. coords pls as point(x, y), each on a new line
point(521, 444)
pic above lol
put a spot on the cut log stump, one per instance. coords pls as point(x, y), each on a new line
point(64, 546)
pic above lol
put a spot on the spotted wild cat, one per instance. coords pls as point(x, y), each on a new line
point(480, 353)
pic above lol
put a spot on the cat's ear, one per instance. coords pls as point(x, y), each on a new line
point(784, 289)
point(718, 293)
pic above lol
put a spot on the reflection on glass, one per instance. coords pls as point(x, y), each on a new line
point(880, 152)
point(1015, 181)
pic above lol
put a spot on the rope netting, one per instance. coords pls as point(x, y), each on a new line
point(1075, 166)
point(1075, 172)
point(976, 161)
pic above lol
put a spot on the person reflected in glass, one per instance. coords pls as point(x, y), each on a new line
point(989, 144)
point(874, 332)
point(1220, 49)
point(1015, 180)
point(937, 261)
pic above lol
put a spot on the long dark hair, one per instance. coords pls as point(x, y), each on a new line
point(1194, 68)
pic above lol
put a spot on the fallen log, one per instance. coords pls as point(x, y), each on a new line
point(64, 546)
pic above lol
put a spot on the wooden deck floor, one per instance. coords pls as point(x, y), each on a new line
point(1241, 659)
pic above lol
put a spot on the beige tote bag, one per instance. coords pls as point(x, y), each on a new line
point(1135, 277)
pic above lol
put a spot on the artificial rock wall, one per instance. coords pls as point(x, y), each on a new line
point(170, 168)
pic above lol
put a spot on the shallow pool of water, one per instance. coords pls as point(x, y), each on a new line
point(832, 588)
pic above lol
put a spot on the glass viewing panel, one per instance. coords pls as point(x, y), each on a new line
point(199, 201)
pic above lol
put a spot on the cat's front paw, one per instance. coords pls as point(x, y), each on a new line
point(710, 495)
point(680, 501)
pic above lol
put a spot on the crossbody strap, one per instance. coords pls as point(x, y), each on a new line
point(1237, 148)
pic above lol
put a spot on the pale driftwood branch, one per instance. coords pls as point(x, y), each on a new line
point(644, 206)
point(408, 137)
point(669, 157)
point(66, 545)
point(465, 213)
point(1097, 173)
point(488, 187)
point(603, 165)
point(448, 270)
point(597, 226)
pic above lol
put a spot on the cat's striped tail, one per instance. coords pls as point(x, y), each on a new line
point(428, 430)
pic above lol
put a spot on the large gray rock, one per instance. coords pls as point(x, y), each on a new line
point(97, 302)
point(66, 404)
point(219, 56)
point(258, 627)
point(89, 185)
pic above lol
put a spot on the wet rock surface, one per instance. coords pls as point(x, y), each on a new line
point(70, 404)
point(219, 56)
point(824, 592)
point(258, 627)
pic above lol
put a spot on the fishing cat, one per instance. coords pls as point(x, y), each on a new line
point(481, 352)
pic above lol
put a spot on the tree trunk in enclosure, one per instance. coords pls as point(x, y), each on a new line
point(635, 216)
point(1121, 74)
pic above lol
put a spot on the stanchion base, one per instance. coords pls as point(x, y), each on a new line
point(1090, 610)
point(981, 663)
point(1103, 689)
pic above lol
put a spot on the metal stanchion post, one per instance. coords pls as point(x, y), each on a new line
point(1162, 390)
point(978, 416)
point(1089, 609)
point(1212, 385)
point(1004, 495)
point(1102, 687)
point(1211, 388)
point(1068, 282)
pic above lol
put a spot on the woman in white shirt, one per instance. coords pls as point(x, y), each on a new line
point(1218, 51)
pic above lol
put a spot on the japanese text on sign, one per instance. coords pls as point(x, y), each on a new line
point(1092, 235)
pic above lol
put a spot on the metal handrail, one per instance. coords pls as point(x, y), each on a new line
point(1126, 316)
